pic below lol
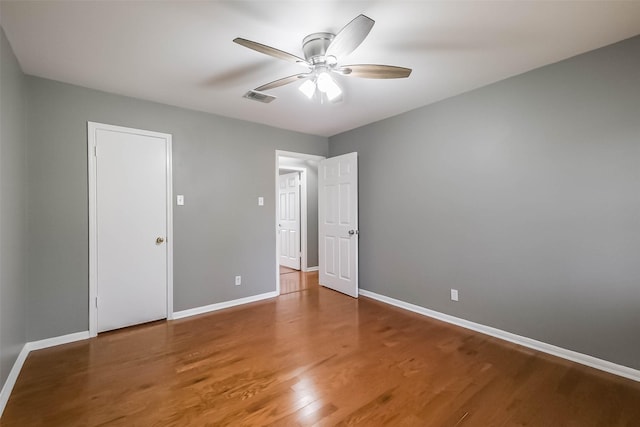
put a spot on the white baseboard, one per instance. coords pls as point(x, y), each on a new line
point(13, 376)
point(51, 342)
point(564, 353)
point(22, 356)
point(308, 269)
point(222, 305)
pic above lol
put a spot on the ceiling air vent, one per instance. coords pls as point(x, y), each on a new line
point(257, 96)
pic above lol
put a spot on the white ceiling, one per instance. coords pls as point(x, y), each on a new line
point(181, 52)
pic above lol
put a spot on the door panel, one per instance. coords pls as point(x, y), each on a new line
point(338, 223)
point(345, 258)
point(131, 200)
point(289, 220)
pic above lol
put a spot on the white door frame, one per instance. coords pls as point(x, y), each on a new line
point(303, 207)
point(92, 127)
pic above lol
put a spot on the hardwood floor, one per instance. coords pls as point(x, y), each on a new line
point(285, 270)
point(295, 280)
point(313, 357)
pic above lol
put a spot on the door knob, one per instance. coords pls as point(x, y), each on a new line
point(352, 232)
point(159, 240)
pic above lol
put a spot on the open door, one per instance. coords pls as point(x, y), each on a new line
point(338, 223)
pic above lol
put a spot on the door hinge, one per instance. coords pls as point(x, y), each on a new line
point(95, 151)
point(96, 302)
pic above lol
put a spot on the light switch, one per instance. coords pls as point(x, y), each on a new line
point(260, 201)
point(180, 200)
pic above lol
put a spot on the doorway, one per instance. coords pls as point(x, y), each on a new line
point(306, 167)
point(130, 227)
point(336, 238)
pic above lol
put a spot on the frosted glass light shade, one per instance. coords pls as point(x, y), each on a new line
point(328, 86)
point(308, 88)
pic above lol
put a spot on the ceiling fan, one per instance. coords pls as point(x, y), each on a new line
point(322, 54)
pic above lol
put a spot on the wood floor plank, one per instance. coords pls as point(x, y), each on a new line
point(311, 357)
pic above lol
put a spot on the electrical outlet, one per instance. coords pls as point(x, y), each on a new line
point(454, 295)
point(238, 280)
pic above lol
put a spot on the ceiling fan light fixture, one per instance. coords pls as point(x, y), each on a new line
point(308, 88)
point(328, 86)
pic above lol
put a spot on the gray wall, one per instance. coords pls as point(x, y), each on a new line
point(312, 205)
point(221, 165)
point(13, 225)
point(524, 195)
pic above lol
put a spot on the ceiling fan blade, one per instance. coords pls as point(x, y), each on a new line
point(271, 51)
point(281, 82)
point(350, 37)
point(374, 71)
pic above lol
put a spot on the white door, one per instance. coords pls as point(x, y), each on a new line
point(131, 205)
point(289, 219)
point(338, 223)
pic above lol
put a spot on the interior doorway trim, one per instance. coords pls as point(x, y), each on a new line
point(303, 208)
point(92, 128)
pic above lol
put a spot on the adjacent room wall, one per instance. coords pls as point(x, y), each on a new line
point(220, 165)
point(13, 225)
point(524, 195)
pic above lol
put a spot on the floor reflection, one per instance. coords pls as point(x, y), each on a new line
point(296, 281)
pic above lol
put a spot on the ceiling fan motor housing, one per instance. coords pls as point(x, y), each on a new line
point(315, 46)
